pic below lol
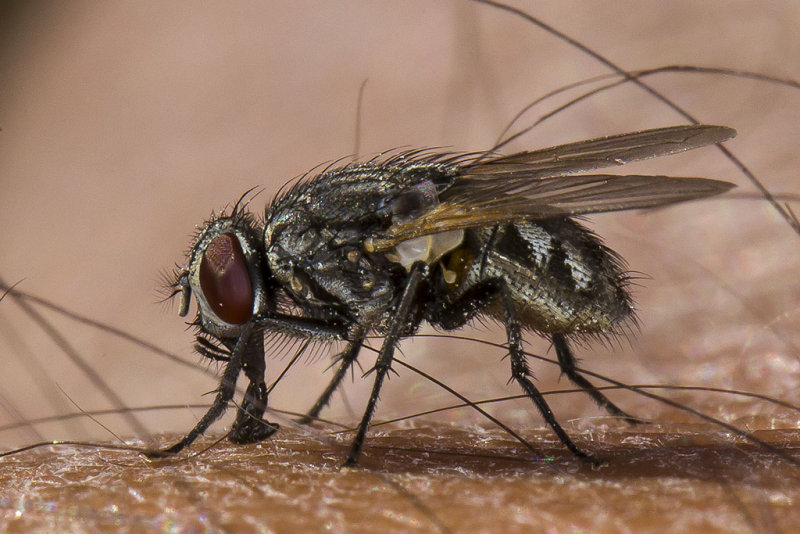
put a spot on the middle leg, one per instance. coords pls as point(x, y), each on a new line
point(346, 359)
point(383, 364)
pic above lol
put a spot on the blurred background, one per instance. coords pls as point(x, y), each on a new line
point(123, 125)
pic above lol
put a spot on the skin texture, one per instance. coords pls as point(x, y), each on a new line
point(124, 125)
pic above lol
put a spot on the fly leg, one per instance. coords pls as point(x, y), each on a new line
point(458, 312)
point(227, 387)
point(346, 359)
point(521, 373)
point(567, 362)
point(251, 360)
point(249, 427)
point(384, 362)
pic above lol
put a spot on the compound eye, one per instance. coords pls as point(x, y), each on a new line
point(225, 280)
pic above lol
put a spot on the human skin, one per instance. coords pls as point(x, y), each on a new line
point(125, 125)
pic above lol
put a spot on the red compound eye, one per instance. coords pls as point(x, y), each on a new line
point(225, 280)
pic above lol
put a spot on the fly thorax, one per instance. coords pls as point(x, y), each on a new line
point(289, 238)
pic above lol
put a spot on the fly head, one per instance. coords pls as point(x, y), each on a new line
point(224, 273)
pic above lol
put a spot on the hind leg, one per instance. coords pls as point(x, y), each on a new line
point(456, 313)
point(567, 362)
point(521, 374)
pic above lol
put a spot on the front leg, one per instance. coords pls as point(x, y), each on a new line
point(243, 356)
point(301, 327)
point(227, 387)
point(249, 426)
point(399, 324)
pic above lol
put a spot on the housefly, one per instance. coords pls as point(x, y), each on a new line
point(380, 247)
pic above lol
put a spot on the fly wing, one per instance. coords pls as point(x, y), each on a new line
point(600, 153)
point(520, 186)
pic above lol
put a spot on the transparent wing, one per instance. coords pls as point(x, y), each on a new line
point(600, 153)
point(521, 186)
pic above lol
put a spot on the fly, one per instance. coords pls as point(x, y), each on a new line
point(383, 246)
